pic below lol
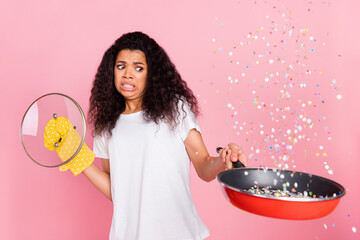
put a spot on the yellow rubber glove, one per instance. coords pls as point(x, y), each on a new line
point(61, 136)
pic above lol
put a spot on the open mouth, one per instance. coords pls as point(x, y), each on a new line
point(127, 87)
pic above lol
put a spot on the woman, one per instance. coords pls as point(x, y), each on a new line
point(146, 133)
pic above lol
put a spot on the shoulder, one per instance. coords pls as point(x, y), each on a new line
point(187, 119)
point(184, 107)
point(102, 137)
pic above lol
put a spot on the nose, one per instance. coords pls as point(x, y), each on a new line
point(127, 74)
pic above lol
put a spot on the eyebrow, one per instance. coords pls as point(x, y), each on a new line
point(136, 63)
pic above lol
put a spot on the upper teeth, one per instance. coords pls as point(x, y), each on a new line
point(128, 85)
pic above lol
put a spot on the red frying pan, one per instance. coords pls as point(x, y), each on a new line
point(323, 195)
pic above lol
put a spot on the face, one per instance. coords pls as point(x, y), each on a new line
point(130, 74)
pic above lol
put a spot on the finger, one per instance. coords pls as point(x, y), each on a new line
point(236, 150)
point(239, 153)
point(233, 147)
point(222, 153)
point(228, 161)
point(235, 156)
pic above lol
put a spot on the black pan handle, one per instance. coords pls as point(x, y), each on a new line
point(237, 164)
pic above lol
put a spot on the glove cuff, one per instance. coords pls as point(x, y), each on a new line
point(82, 161)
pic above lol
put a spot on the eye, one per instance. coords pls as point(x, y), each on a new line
point(139, 69)
point(120, 67)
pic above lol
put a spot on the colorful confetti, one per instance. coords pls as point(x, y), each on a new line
point(277, 69)
point(288, 116)
point(267, 191)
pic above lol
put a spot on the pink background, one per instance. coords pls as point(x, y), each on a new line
point(278, 77)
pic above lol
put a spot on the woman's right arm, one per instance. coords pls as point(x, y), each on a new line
point(100, 178)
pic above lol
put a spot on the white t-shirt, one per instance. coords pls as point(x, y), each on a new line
point(150, 179)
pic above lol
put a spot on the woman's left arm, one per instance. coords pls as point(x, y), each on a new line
point(206, 166)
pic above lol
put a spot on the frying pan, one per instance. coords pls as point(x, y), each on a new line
point(325, 193)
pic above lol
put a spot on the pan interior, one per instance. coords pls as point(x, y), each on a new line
point(276, 179)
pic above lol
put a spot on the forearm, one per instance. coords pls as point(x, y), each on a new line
point(209, 168)
point(100, 179)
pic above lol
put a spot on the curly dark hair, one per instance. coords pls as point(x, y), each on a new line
point(163, 91)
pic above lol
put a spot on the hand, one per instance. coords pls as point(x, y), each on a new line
point(232, 153)
point(61, 136)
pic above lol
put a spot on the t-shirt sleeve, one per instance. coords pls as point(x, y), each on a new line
point(187, 120)
point(101, 146)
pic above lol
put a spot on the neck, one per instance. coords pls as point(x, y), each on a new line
point(132, 107)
